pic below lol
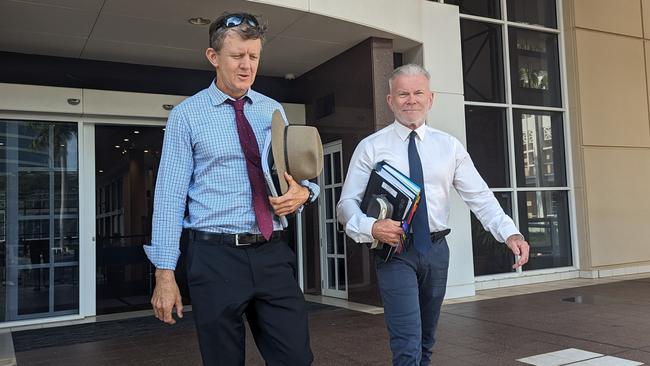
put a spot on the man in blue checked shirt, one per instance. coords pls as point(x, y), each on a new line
point(238, 261)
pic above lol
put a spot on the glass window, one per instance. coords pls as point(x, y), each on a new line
point(33, 144)
point(544, 221)
point(40, 218)
point(33, 294)
point(491, 256)
point(534, 68)
point(33, 193)
point(66, 288)
point(482, 8)
point(539, 149)
point(482, 49)
point(487, 143)
point(537, 12)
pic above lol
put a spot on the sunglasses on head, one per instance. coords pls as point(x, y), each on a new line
point(236, 20)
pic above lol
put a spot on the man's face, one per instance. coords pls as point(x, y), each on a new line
point(410, 99)
point(236, 64)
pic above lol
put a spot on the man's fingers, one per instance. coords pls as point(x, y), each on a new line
point(289, 179)
point(179, 307)
point(167, 315)
point(521, 249)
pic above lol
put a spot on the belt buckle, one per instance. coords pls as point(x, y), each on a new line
point(238, 244)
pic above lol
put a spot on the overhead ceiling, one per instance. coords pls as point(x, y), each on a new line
point(157, 32)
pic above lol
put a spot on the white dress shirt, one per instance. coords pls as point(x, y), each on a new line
point(445, 163)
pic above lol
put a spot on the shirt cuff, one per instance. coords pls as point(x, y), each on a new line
point(162, 257)
point(365, 226)
point(507, 232)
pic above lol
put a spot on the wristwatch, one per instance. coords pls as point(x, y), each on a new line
point(311, 196)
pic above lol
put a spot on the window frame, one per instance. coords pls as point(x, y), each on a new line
point(563, 110)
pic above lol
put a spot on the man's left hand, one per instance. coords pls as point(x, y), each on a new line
point(519, 247)
point(289, 202)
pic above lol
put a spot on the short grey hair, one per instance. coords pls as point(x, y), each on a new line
point(408, 69)
point(245, 31)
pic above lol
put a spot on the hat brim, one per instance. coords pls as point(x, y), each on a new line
point(278, 126)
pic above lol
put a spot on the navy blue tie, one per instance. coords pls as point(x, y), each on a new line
point(421, 238)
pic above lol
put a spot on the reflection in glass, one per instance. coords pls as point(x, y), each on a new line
point(33, 291)
point(487, 143)
point(337, 167)
point(40, 207)
point(539, 148)
point(33, 193)
point(534, 68)
point(66, 288)
point(481, 8)
point(491, 256)
point(536, 12)
point(329, 206)
point(331, 273)
point(327, 169)
point(341, 273)
point(544, 221)
point(66, 192)
point(64, 145)
point(330, 238)
point(34, 242)
point(66, 240)
point(34, 144)
point(483, 67)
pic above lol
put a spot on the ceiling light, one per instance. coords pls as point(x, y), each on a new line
point(146, 151)
point(101, 171)
point(136, 131)
point(126, 140)
point(2, 144)
point(117, 146)
point(199, 21)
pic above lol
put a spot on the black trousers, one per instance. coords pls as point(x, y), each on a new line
point(227, 282)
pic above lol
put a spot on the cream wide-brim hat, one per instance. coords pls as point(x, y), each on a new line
point(297, 149)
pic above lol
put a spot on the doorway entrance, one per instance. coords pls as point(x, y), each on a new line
point(126, 164)
point(332, 242)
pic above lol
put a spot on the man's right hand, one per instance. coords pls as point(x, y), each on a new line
point(165, 296)
point(387, 231)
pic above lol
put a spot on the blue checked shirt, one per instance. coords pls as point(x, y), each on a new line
point(203, 164)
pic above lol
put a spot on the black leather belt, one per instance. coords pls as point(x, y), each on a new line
point(439, 235)
point(237, 240)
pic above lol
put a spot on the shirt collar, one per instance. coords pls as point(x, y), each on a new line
point(218, 97)
point(403, 132)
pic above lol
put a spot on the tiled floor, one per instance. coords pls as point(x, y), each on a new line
point(609, 319)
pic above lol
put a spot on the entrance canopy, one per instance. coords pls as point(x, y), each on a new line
point(158, 32)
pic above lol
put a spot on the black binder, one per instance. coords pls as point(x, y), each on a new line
point(384, 187)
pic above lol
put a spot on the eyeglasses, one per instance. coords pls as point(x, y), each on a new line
point(236, 20)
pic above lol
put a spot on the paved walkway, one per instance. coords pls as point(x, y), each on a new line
point(600, 324)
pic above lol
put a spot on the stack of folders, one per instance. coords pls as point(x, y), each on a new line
point(390, 194)
point(271, 174)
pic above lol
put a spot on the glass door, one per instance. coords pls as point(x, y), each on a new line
point(332, 237)
point(126, 164)
point(39, 219)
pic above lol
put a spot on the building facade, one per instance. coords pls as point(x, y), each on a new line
point(549, 96)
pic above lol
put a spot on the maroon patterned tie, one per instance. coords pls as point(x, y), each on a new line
point(254, 167)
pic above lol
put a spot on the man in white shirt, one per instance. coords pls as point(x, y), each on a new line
point(413, 283)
